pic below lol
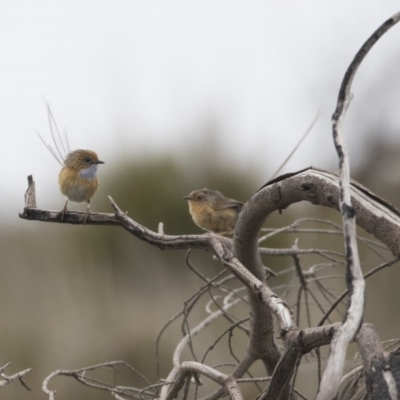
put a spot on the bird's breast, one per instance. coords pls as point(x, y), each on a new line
point(76, 187)
point(88, 173)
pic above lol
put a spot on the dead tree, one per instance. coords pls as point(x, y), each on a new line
point(377, 376)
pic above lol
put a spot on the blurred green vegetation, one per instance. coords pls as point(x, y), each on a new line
point(74, 296)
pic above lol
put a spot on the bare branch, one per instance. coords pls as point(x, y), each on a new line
point(331, 377)
point(7, 379)
point(226, 381)
point(30, 194)
point(320, 187)
point(381, 381)
point(343, 295)
point(279, 385)
point(176, 373)
point(81, 376)
point(287, 159)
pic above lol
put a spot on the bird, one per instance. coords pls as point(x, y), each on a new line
point(212, 211)
point(78, 178)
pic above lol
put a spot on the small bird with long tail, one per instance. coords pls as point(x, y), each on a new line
point(78, 178)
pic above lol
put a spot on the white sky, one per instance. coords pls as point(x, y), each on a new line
point(129, 77)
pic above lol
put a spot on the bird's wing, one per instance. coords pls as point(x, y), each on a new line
point(230, 203)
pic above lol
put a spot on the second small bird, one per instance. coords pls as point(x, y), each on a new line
point(78, 178)
point(212, 211)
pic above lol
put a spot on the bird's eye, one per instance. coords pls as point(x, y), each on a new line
point(199, 197)
point(87, 160)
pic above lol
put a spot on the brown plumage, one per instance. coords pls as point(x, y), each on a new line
point(78, 178)
point(212, 211)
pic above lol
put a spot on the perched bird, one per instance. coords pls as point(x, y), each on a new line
point(212, 211)
point(78, 178)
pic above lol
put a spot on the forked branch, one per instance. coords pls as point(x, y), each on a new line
point(7, 379)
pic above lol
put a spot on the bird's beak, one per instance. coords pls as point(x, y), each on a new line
point(100, 162)
point(186, 197)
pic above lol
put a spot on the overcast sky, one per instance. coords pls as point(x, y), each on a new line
point(129, 77)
